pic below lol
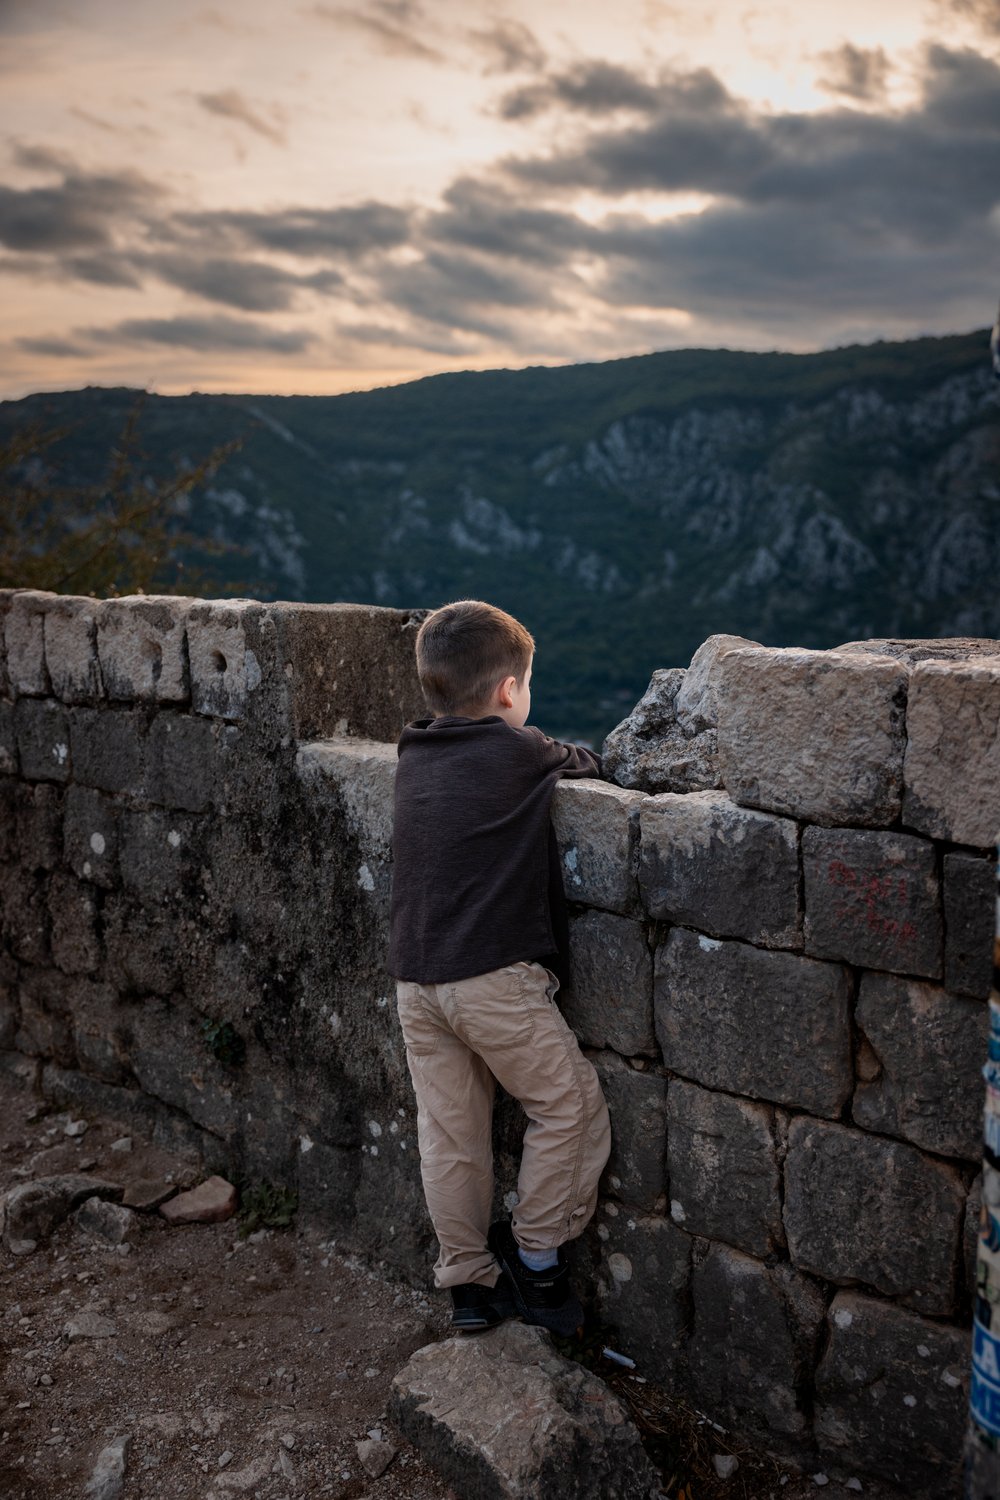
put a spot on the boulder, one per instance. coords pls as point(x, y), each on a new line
point(503, 1415)
point(32, 1210)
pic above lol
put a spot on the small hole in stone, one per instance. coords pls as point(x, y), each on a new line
point(218, 661)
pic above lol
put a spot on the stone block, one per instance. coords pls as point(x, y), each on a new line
point(504, 1415)
point(722, 1154)
point(852, 1207)
point(753, 1345)
point(770, 1025)
point(45, 1029)
point(873, 899)
point(162, 854)
point(952, 766)
point(705, 862)
point(144, 949)
point(183, 766)
point(893, 1387)
point(90, 835)
point(8, 740)
point(97, 1021)
point(225, 669)
point(642, 1289)
point(75, 940)
point(697, 702)
point(109, 749)
point(6, 598)
point(68, 1089)
point(930, 1047)
point(140, 644)
point(11, 794)
point(24, 914)
point(171, 1060)
point(637, 1104)
point(43, 739)
point(817, 735)
point(356, 777)
point(609, 999)
point(597, 828)
point(70, 636)
point(24, 640)
point(969, 923)
point(651, 751)
point(38, 815)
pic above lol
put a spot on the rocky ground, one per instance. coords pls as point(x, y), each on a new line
point(213, 1365)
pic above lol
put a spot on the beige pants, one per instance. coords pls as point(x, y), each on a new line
point(461, 1036)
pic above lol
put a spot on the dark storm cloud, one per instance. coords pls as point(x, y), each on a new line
point(253, 286)
point(595, 88)
point(856, 72)
point(208, 335)
point(481, 216)
point(393, 28)
point(351, 231)
point(508, 47)
point(231, 105)
point(75, 214)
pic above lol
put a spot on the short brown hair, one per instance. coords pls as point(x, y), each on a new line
point(465, 649)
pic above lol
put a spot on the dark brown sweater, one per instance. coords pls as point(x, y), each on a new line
point(476, 881)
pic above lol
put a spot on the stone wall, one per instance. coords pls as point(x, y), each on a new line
point(781, 979)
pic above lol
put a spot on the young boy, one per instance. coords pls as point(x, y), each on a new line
point(476, 919)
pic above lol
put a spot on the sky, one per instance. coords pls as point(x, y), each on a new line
point(326, 196)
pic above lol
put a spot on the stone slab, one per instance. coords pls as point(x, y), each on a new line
point(75, 938)
point(183, 764)
point(90, 835)
point(643, 1288)
point(24, 639)
point(70, 640)
point(609, 999)
point(43, 739)
point(930, 1046)
point(893, 1387)
point(108, 748)
point(637, 1103)
point(38, 824)
point(753, 1345)
point(969, 887)
point(651, 751)
point(725, 1182)
point(873, 899)
point(731, 871)
point(817, 735)
point(504, 1417)
point(24, 915)
point(141, 648)
point(597, 828)
point(952, 766)
point(849, 1198)
point(8, 740)
point(770, 1025)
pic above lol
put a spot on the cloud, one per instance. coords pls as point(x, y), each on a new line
point(508, 47)
point(252, 285)
point(76, 214)
point(231, 105)
point(386, 24)
point(207, 335)
point(856, 72)
point(984, 14)
point(594, 87)
point(352, 231)
point(482, 215)
point(53, 348)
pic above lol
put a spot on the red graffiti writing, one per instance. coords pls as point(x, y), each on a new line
point(868, 893)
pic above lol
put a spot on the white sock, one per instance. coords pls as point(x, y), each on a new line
point(538, 1260)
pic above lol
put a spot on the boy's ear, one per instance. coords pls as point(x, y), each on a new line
point(504, 692)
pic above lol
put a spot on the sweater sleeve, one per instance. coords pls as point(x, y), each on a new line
point(567, 760)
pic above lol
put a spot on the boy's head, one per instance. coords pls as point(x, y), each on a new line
point(466, 654)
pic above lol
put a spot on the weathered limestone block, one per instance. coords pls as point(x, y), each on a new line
point(32, 1210)
point(910, 651)
point(931, 1046)
point(225, 668)
point(37, 829)
point(144, 950)
point(90, 835)
point(873, 899)
point(597, 827)
point(725, 1182)
point(76, 945)
point(728, 870)
point(43, 739)
point(172, 1060)
point(70, 637)
point(45, 1029)
point(24, 639)
point(642, 1285)
point(813, 734)
point(8, 740)
point(140, 644)
point(651, 752)
point(637, 1104)
point(893, 1387)
point(504, 1416)
point(853, 1204)
point(68, 1089)
point(110, 1223)
point(183, 764)
point(7, 597)
point(969, 921)
point(609, 1000)
point(109, 749)
point(952, 766)
point(98, 1021)
point(161, 853)
point(770, 1025)
point(753, 1345)
point(11, 792)
point(697, 702)
point(362, 774)
point(24, 915)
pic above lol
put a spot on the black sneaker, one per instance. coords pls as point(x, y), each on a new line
point(475, 1307)
point(541, 1297)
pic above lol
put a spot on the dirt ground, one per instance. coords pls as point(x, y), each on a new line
point(238, 1366)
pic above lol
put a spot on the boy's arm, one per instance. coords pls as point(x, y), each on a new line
point(568, 760)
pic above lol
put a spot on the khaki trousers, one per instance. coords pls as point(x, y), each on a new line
point(460, 1037)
